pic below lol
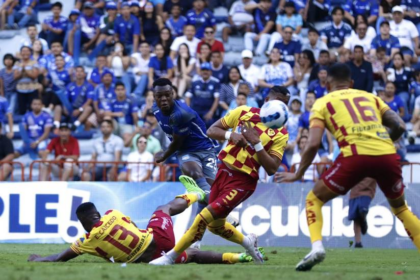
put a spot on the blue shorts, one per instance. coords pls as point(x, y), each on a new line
point(359, 207)
point(26, 149)
point(407, 50)
point(206, 159)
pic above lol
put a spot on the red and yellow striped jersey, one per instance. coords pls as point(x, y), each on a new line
point(114, 236)
point(354, 117)
point(246, 159)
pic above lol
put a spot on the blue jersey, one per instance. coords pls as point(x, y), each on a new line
point(299, 5)
point(289, 50)
point(184, 121)
point(78, 95)
point(402, 80)
point(315, 86)
point(176, 27)
point(202, 94)
point(396, 104)
point(411, 5)
point(304, 120)
point(93, 22)
point(104, 96)
point(48, 61)
point(221, 73)
point(363, 7)
point(35, 125)
point(415, 88)
point(261, 19)
point(4, 108)
point(127, 107)
point(201, 21)
point(95, 76)
point(156, 64)
point(59, 79)
point(126, 29)
point(336, 36)
point(391, 43)
point(60, 24)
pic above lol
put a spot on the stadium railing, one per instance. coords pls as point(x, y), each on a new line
point(12, 176)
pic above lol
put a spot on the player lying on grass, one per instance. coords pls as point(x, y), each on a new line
point(116, 238)
point(365, 129)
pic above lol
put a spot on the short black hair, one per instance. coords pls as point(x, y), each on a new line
point(30, 25)
point(380, 49)
point(358, 47)
point(80, 67)
point(384, 22)
point(144, 42)
point(57, 4)
point(176, 5)
point(215, 52)
point(161, 82)
point(119, 84)
point(337, 8)
point(242, 93)
point(313, 30)
point(9, 56)
point(85, 208)
point(56, 41)
point(416, 73)
point(279, 90)
point(59, 55)
point(108, 122)
point(36, 98)
point(324, 52)
point(340, 72)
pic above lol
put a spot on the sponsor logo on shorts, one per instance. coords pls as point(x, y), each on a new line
point(336, 185)
point(333, 171)
point(397, 188)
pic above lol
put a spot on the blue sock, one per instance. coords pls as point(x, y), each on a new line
point(205, 186)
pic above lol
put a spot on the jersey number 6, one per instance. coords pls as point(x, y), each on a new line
point(362, 110)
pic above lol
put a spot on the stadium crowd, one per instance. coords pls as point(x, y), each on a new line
point(132, 43)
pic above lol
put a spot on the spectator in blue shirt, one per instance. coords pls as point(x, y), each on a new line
point(127, 29)
point(393, 101)
point(104, 94)
point(203, 96)
point(124, 112)
point(54, 26)
point(319, 86)
point(160, 66)
point(200, 17)
point(304, 118)
point(48, 61)
point(26, 13)
point(290, 49)
point(100, 68)
point(368, 8)
point(337, 33)
point(218, 70)
point(6, 115)
point(176, 21)
point(415, 88)
point(385, 40)
point(263, 27)
point(8, 81)
point(59, 78)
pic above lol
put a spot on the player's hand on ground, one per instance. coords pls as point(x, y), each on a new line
point(238, 139)
point(33, 258)
point(250, 134)
point(284, 177)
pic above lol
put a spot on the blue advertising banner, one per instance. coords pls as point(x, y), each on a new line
point(44, 212)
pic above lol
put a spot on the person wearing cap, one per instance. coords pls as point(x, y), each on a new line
point(66, 154)
point(407, 34)
point(361, 70)
point(290, 18)
point(385, 40)
point(319, 86)
point(238, 21)
point(370, 9)
point(34, 130)
point(104, 94)
point(314, 44)
point(127, 29)
point(54, 26)
point(249, 71)
point(200, 17)
point(6, 155)
point(216, 45)
point(263, 27)
point(203, 95)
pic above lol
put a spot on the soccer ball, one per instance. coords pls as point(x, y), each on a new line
point(274, 114)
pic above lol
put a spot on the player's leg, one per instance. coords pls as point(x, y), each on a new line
point(211, 257)
point(357, 233)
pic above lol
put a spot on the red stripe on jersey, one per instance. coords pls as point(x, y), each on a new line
point(87, 235)
point(343, 130)
point(268, 145)
point(238, 164)
point(284, 131)
point(330, 108)
point(243, 112)
point(235, 151)
point(377, 104)
point(255, 163)
point(255, 119)
point(222, 154)
point(250, 150)
point(353, 149)
point(126, 220)
point(101, 252)
point(343, 144)
point(98, 224)
point(117, 244)
point(259, 130)
point(334, 123)
point(248, 162)
point(109, 211)
point(255, 110)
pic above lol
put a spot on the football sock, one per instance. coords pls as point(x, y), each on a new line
point(227, 231)
point(314, 216)
point(190, 198)
point(411, 223)
point(195, 232)
point(205, 186)
point(230, 258)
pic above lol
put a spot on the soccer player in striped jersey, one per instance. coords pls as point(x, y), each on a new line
point(365, 129)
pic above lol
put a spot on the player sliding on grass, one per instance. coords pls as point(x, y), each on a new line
point(116, 238)
point(237, 177)
point(359, 121)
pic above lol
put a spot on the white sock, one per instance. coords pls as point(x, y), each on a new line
point(317, 245)
point(56, 123)
point(77, 123)
point(172, 255)
point(246, 242)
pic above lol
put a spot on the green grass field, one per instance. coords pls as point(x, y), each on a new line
point(340, 264)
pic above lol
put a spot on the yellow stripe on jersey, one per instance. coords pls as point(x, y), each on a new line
point(354, 117)
point(114, 236)
point(245, 159)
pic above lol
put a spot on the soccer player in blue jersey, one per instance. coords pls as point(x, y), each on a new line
point(104, 94)
point(385, 40)
point(187, 132)
point(79, 95)
point(290, 49)
point(54, 26)
point(200, 17)
point(35, 128)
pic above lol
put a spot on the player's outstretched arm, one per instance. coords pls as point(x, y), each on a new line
point(64, 256)
point(396, 125)
point(172, 148)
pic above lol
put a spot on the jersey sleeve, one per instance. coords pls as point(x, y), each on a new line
point(180, 123)
point(231, 119)
point(277, 149)
point(382, 107)
point(318, 111)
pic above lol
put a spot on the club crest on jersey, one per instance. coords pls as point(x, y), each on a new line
point(271, 132)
